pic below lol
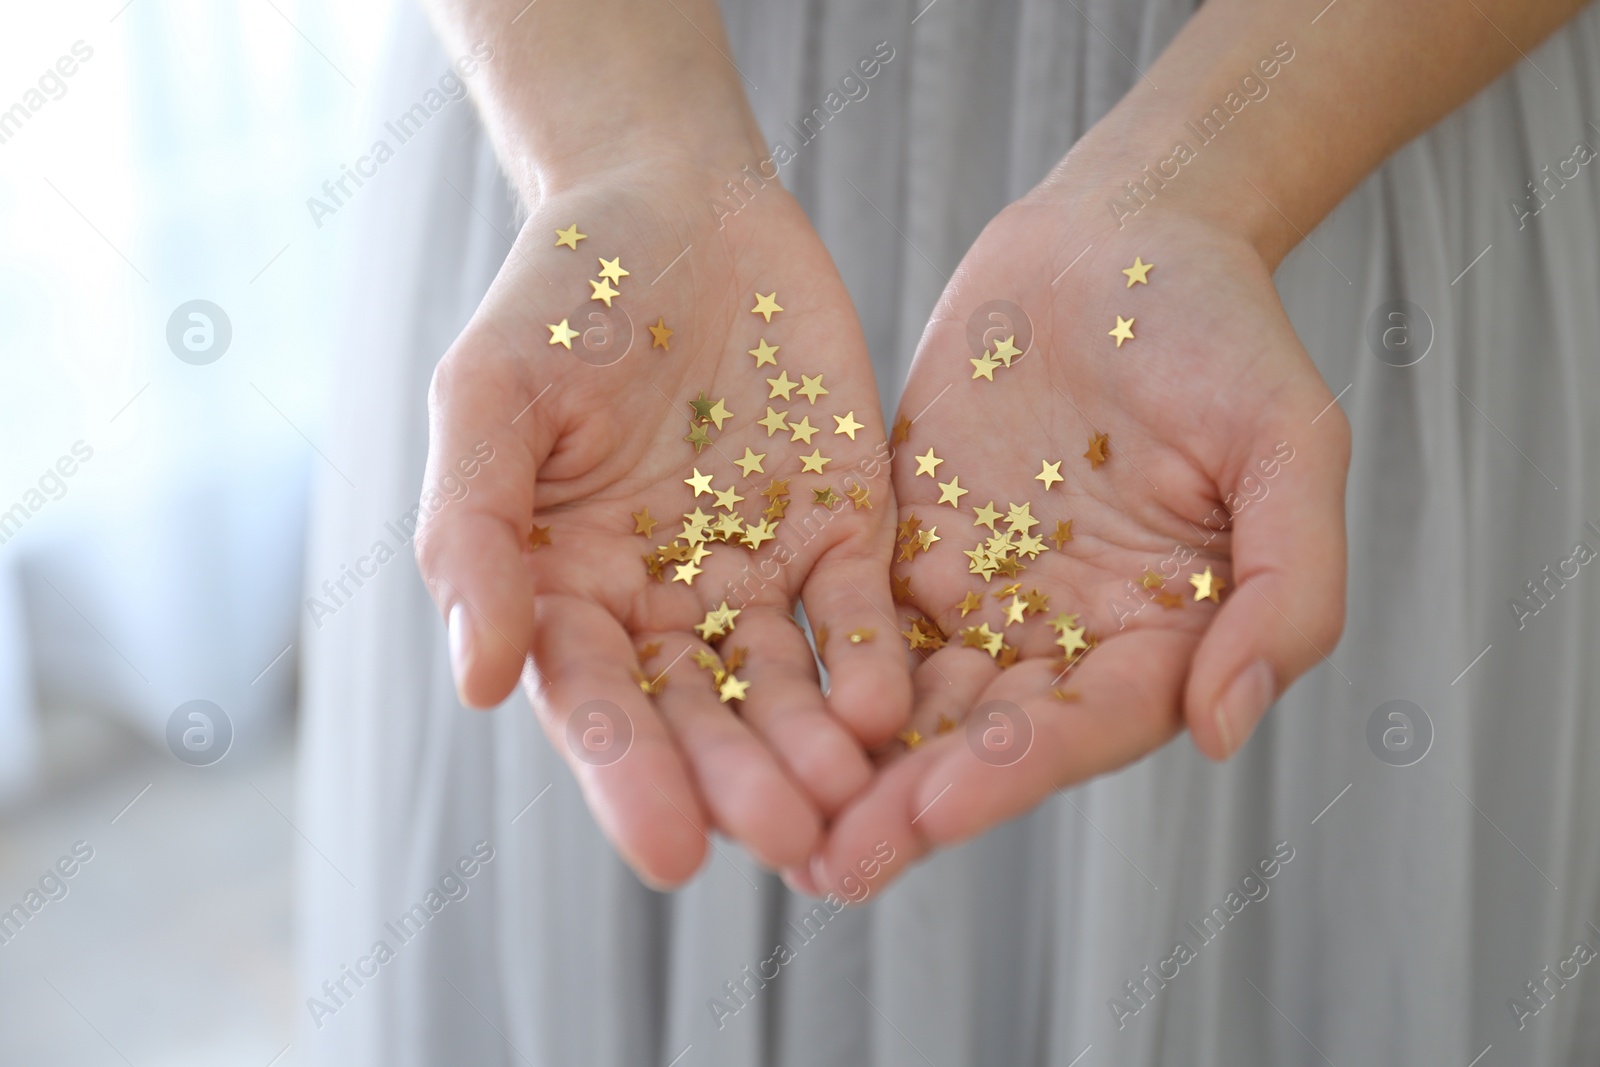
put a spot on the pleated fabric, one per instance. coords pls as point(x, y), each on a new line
point(1410, 906)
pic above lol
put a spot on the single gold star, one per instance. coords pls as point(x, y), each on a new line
point(1207, 586)
point(986, 515)
point(776, 509)
point(776, 488)
point(812, 388)
point(685, 573)
point(1063, 533)
point(983, 367)
point(659, 334)
point(1139, 272)
point(698, 437)
point(862, 635)
point(1122, 331)
point(1016, 611)
point(972, 603)
point(1007, 350)
point(700, 483)
point(1098, 453)
point(718, 621)
point(860, 496)
point(1010, 590)
point(902, 430)
point(928, 464)
point(1072, 642)
point(986, 639)
point(765, 354)
point(951, 492)
point(562, 334)
point(1036, 601)
point(650, 686)
point(766, 305)
point(539, 535)
point(1030, 546)
point(727, 498)
point(911, 738)
point(750, 462)
point(907, 527)
point(802, 430)
point(602, 291)
point(1021, 518)
point(611, 269)
point(719, 413)
point(649, 651)
point(946, 724)
point(706, 659)
point(781, 385)
point(915, 638)
point(774, 421)
point(701, 407)
point(847, 424)
point(900, 588)
point(755, 536)
point(926, 538)
point(815, 462)
point(1049, 474)
point(732, 689)
point(1008, 656)
point(643, 523)
point(569, 237)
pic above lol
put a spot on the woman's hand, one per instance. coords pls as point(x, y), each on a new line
point(602, 449)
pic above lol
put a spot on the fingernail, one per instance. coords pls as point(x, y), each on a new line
point(460, 641)
point(1243, 703)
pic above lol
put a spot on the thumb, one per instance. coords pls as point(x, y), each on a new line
point(485, 440)
point(1286, 610)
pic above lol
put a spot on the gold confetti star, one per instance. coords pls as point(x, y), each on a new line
point(802, 430)
point(1099, 450)
point(1150, 579)
point(776, 488)
point(774, 421)
point(983, 367)
point(660, 335)
point(900, 588)
point(847, 424)
point(732, 689)
point(701, 407)
point(706, 660)
point(750, 462)
point(911, 738)
point(1030, 546)
point(1207, 586)
point(539, 535)
point(776, 509)
point(729, 527)
point(698, 437)
point(1008, 656)
point(1007, 350)
point(1063, 533)
point(718, 621)
point(1036, 601)
point(1016, 611)
point(1139, 272)
point(951, 492)
point(1020, 518)
point(719, 414)
point(735, 660)
point(611, 269)
point(915, 638)
point(907, 527)
point(650, 652)
point(700, 483)
point(946, 724)
point(1170, 601)
point(860, 496)
point(986, 515)
point(982, 637)
point(862, 635)
point(685, 573)
point(781, 386)
point(643, 523)
point(650, 686)
point(926, 538)
point(570, 237)
point(767, 305)
point(815, 462)
point(562, 334)
point(928, 464)
point(603, 292)
point(972, 603)
point(812, 388)
point(1010, 590)
point(1049, 474)
point(902, 430)
point(727, 498)
point(765, 354)
point(1122, 331)
point(825, 496)
point(755, 536)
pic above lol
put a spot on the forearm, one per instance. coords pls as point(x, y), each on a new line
point(579, 87)
point(1222, 110)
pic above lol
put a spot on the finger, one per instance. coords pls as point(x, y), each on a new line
point(869, 684)
point(471, 548)
point(785, 708)
point(1286, 609)
point(750, 797)
point(633, 776)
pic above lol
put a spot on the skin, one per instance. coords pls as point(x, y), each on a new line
point(631, 131)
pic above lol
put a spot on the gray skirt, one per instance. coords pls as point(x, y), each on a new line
point(1401, 866)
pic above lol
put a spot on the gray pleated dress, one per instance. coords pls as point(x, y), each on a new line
point(1434, 885)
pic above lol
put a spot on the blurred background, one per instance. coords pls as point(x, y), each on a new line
point(167, 304)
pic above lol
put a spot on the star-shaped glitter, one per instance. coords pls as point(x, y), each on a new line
point(700, 406)
point(611, 269)
point(719, 413)
point(946, 724)
point(755, 535)
point(1030, 546)
point(984, 367)
point(650, 686)
point(812, 388)
point(847, 424)
point(1122, 331)
point(915, 638)
point(902, 430)
point(698, 437)
point(569, 237)
point(602, 291)
point(706, 659)
point(539, 535)
point(900, 588)
point(1139, 272)
point(700, 483)
point(774, 421)
point(859, 496)
point(750, 462)
point(562, 334)
point(1036, 601)
point(907, 527)
point(911, 738)
point(926, 538)
point(776, 488)
point(1049, 474)
point(732, 689)
point(685, 573)
point(1170, 601)
point(1150, 579)
point(972, 602)
point(814, 462)
point(982, 637)
point(776, 509)
point(659, 334)
point(718, 621)
point(765, 354)
point(1007, 350)
point(1207, 586)
point(1020, 518)
point(861, 635)
point(643, 523)
point(1010, 590)
point(1099, 450)
point(928, 464)
point(766, 305)
point(1016, 610)
point(802, 430)
point(727, 498)
point(986, 515)
point(1063, 533)
point(649, 651)
point(951, 492)
point(781, 386)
